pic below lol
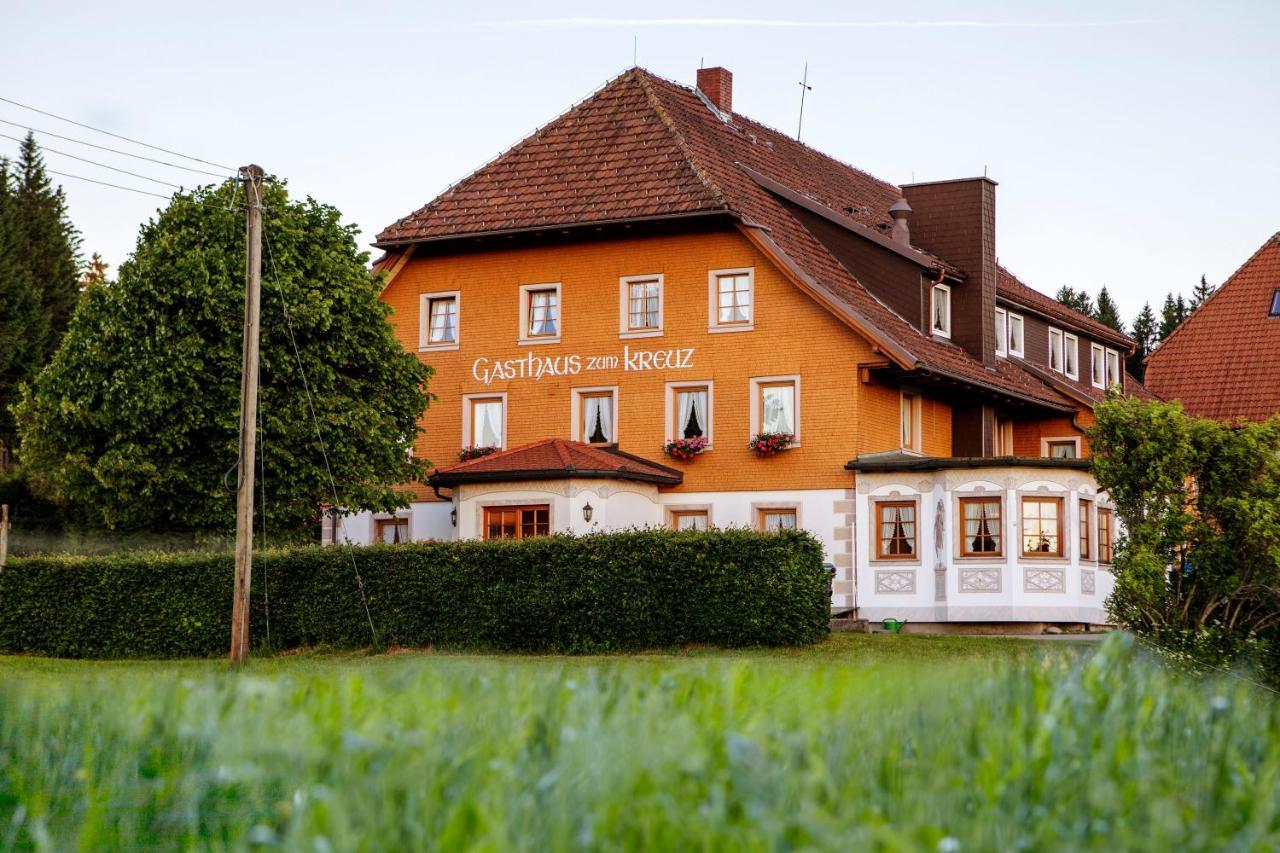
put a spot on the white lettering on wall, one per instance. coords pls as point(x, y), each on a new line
point(535, 367)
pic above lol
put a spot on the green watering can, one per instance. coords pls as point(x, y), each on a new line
point(894, 626)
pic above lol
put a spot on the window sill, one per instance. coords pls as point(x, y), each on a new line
point(971, 559)
point(749, 327)
point(533, 342)
point(889, 562)
point(1046, 558)
point(439, 348)
point(642, 333)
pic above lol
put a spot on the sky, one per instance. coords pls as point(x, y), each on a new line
point(1134, 142)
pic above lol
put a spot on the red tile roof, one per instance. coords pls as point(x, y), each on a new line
point(554, 459)
point(644, 147)
point(1224, 360)
point(1011, 289)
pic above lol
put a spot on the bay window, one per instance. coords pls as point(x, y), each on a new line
point(1041, 527)
point(981, 536)
point(517, 522)
point(895, 530)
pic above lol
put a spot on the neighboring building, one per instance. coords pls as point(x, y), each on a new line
point(652, 266)
point(1223, 361)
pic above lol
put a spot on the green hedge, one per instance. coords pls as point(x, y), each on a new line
point(612, 592)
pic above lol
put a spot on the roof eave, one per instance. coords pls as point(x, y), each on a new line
point(940, 463)
point(449, 480)
point(561, 226)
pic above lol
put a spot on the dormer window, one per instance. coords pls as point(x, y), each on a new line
point(1275, 304)
point(1016, 348)
point(1071, 353)
point(941, 311)
point(1113, 369)
point(1055, 350)
point(1097, 365)
point(1002, 332)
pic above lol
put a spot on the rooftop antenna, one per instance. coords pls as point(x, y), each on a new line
point(804, 87)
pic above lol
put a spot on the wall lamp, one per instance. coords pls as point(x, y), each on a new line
point(453, 516)
point(587, 512)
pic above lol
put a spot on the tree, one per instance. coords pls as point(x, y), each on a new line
point(1172, 314)
point(136, 419)
point(49, 244)
point(1200, 293)
point(95, 272)
point(24, 325)
point(1144, 332)
point(1077, 300)
point(1107, 312)
point(1198, 570)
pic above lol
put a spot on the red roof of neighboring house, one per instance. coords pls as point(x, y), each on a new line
point(1224, 360)
point(1011, 289)
point(645, 147)
point(556, 459)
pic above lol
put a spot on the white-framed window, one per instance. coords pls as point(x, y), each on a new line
point(484, 420)
point(438, 320)
point(1055, 350)
point(1016, 333)
point(640, 306)
point(940, 310)
point(1002, 332)
point(1097, 365)
point(594, 415)
point(731, 300)
point(1113, 369)
point(775, 406)
point(1071, 355)
point(541, 313)
point(909, 417)
point(1067, 447)
point(690, 411)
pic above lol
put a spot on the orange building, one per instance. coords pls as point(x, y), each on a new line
point(656, 311)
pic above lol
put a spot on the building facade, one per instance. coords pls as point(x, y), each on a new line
point(655, 311)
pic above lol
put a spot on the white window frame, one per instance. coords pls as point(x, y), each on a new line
point(713, 300)
point(1097, 365)
point(933, 300)
point(1020, 351)
point(1071, 355)
point(424, 321)
point(575, 410)
point(756, 382)
point(624, 306)
point(917, 413)
point(1002, 332)
point(525, 339)
point(1113, 356)
point(466, 415)
point(673, 388)
point(1059, 350)
point(1059, 439)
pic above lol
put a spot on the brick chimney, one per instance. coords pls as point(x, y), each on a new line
point(717, 84)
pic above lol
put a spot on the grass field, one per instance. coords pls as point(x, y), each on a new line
point(864, 742)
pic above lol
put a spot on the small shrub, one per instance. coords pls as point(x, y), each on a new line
point(610, 592)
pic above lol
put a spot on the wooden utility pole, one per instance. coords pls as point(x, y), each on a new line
point(252, 178)
point(4, 534)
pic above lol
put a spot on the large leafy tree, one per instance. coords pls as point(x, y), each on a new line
point(136, 419)
point(1199, 567)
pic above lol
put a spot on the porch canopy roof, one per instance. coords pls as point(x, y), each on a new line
point(555, 459)
point(899, 461)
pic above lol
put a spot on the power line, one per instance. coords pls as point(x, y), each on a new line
point(112, 150)
point(105, 184)
point(116, 135)
point(96, 163)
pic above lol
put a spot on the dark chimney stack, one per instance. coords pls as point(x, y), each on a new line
point(717, 84)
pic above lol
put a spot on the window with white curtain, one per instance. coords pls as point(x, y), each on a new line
point(1002, 332)
point(486, 422)
point(778, 407)
point(597, 417)
point(692, 413)
point(1016, 347)
point(1113, 369)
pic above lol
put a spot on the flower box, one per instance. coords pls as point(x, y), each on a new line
point(684, 449)
point(468, 453)
point(769, 443)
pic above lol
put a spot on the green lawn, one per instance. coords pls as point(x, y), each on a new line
point(862, 742)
